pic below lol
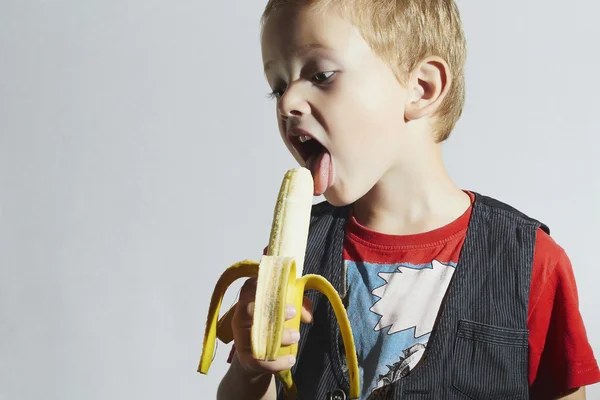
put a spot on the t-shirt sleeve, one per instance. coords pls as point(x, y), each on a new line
point(561, 357)
point(232, 352)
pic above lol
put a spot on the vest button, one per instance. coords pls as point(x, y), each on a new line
point(337, 394)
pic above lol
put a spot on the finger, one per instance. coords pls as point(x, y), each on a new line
point(245, 318)
point(254, 365)
point(242, 318)
point(244, 311)
point(290, 311)
point(306, 315)
point(248, 290)
point(290, 336)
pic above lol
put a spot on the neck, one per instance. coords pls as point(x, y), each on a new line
point(414, 197)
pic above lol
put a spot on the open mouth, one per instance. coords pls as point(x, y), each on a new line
point(316, 158)
point(306, 145)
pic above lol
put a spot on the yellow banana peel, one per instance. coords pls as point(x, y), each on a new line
point(280, 282)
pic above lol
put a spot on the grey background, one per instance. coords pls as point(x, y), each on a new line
point(139, 157)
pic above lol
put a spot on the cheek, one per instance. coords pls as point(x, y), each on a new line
point(374, 106)
point(368, 126)
point(365, 128)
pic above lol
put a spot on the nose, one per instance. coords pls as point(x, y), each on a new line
point(293, 102)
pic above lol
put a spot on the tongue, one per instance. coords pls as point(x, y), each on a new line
point(320, 167)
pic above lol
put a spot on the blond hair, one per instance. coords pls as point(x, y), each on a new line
point(404, 32)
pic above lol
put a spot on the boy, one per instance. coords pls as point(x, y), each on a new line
point(450, 294)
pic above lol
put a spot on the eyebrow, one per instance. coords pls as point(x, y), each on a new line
point(299, 50)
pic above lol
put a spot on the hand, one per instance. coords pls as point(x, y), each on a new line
point(242, 325)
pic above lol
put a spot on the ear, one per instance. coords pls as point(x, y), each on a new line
point(428, 85)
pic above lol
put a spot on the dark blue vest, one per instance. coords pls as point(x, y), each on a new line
point(479, 345)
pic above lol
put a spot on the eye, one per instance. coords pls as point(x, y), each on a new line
point(321, 77)
point(275, 94)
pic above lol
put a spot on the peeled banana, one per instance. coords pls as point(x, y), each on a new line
point(280, 282)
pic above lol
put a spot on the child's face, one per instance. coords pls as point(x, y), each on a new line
point(332, 86)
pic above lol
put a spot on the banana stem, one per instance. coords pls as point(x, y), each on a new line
point(248, 269)
point(289, 386)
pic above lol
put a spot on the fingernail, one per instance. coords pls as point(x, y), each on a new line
point(295, 336)
point(292, 359)
point(290, 311)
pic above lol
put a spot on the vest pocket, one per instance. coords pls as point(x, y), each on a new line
point(490, 362)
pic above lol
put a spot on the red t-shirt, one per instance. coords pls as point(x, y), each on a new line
point(560, 355)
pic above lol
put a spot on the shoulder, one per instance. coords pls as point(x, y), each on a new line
point(549, 255)
point(500, 207)
point(550, 260)
point(552, 271)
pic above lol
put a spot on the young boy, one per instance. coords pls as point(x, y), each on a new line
point(450, 294)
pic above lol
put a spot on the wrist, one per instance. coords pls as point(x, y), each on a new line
point(249, 374)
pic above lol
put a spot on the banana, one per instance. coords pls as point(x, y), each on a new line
point(282, 265)
point(280, 281)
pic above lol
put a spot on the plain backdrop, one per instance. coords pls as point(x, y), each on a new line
point(139, 157)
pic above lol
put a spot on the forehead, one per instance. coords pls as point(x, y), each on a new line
point(291, 31)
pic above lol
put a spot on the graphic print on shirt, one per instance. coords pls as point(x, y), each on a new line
point(393, 307)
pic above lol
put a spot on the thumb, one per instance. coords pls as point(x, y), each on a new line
point(307, 314)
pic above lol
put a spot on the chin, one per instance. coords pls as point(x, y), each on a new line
point(340, 198)
point(340, 194)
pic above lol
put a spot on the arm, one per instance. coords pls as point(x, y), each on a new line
point(577, 394)
point(561, 359)
point(239, 384)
